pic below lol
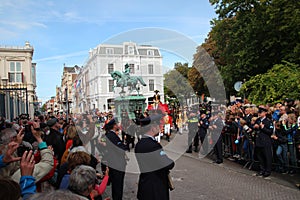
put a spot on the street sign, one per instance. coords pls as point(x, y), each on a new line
point(238, 85)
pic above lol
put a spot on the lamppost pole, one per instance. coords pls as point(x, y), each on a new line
point(67, 103)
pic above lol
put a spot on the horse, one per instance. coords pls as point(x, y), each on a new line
point(124, 80)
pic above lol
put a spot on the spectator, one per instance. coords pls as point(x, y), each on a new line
point(281, 148)
point(56, 195)
point(290, 128)
point(55, 138)
point(9, 189)
point(82, 180)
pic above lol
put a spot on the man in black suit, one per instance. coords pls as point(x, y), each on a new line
point(153, 162)
point(115, 156)
point(263, 144)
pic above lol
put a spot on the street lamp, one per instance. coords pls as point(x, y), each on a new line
point(4, 81)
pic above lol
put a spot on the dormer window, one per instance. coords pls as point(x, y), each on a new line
point(150, 52)
point(130, 50)
point(109, 51)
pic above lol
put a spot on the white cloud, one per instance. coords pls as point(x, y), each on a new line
point(63, 56)
point(6, 34)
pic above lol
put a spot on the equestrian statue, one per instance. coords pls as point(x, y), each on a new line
point(123, 79)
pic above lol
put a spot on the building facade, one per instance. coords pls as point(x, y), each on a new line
point(62, 102)
point(94, 84)
point(17, 81)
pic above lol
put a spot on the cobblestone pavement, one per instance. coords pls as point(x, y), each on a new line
point(201, 179)
point(196, 178)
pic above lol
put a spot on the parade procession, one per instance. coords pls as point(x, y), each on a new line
point(149, 100)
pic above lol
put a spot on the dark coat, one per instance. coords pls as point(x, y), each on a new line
point(55, 139)
point(263, 135)
point(248, 119)
point(115, 151)
point(154, 165)
point(216, 133)
point(202, 129)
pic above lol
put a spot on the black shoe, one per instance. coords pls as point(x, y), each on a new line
point(260, 174)
point(188, 151)
point(292, 171)
point(196, 149)
point(219, 161)
point(266, 174)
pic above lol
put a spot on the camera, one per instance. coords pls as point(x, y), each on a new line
point(21, 149)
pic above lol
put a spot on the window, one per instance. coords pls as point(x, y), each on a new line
point(110, 85)
point(151, 85)
point(150, 69)
point(131, 67)
point(109, 51)
point(150, 52)
point(130, 50)
point(110, 68)
point(15, 73)
point(33, 76)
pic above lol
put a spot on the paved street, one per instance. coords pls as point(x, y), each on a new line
point(196, 178)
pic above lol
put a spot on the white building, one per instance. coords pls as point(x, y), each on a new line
point(95, 84)
point(17, 81)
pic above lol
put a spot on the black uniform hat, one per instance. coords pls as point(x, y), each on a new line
point(153, 119)
point(111, 122)
point(262, 109)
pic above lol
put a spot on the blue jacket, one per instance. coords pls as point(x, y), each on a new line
point(2, 164)
point(28, 187)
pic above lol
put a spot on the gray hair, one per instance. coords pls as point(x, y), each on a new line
point(56, 195)
point(6, 135)
point(81, 178)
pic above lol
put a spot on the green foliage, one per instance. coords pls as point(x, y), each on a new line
point(175, 81)
point(44, 108)
point(282, 81)
point(251, 36)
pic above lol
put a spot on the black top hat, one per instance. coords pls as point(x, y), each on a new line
point(156, 91)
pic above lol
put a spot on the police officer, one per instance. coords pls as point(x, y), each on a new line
point(153, 162)
point(203, 125)
point(263, 149)
point(193, 128)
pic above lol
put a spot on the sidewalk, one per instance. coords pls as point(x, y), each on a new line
point(288, 180)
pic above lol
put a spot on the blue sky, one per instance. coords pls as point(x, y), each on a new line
point(63, 31)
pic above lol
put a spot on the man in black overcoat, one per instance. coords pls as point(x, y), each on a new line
point(263, 144)
point(153, 162)
point(115, 156)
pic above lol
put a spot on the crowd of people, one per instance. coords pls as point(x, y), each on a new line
point(266, 134)
point(77, 157)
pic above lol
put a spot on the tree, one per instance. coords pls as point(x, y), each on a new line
point(280, 82)
point(44, 108)
point(176, 83)
point(249, 37)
